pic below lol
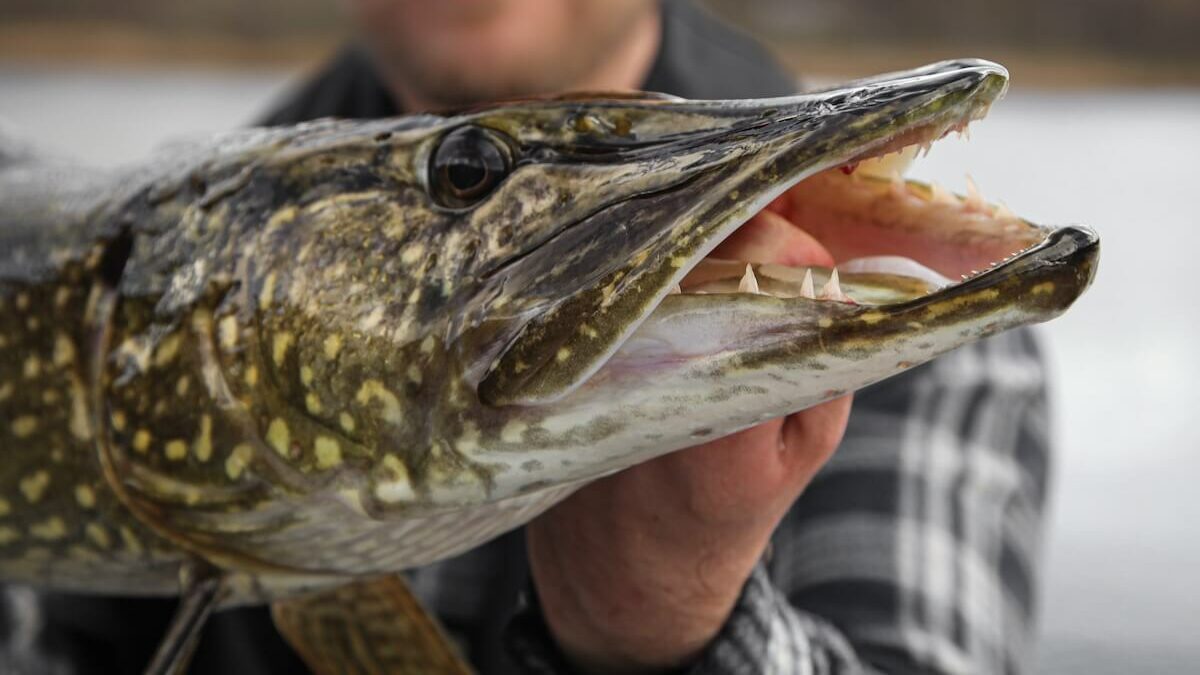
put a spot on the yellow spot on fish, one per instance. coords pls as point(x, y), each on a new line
point(872, 318)
point(520, 366)
point(80, 552)
point(562, 355)
point(85, 495)
point(313, 403)
point(306, 376)
point(51, 397)
point(513, 431)
point(227, 333)
point(346, 421)
point(167, 350)
point(396, 487)
point(24, 426)
point(182, 385)
point(176, 449)
point(141, 440)
point(33, 323)
point(8, 535)
point(469, 440)
point(267, 294)
point(374, 390)
point(132, 543)
point(916, 325)
point(414, 374)
point(6, 391)
point(372, 320)
point(61, 296)
point(678, 261)
point(283, 341)
point(5, 507)
point(329, 453)
point(202, 446)
point(1044, 288)
point(427, 344)
point(353, 499)
point(32, 367)
point(607, 294)
point(64, 350)
point(588, 331)
point(34, 485)
point(825, 322)
point(98, 535)
point(22, 301)
point(251, 376)
point(50, 529)
point(118, 420)
point(238, 460)
point(81, 423)
point(412, 254)
point(135, 351)
point(279, 437)
point(333, 345)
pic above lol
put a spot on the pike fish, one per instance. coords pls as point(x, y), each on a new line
point(281, 365)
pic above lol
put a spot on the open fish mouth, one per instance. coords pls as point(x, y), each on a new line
point(904, 256)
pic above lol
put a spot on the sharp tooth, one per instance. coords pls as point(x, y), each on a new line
point(898, 185)
point(966, 132)
point(832, 290)
point(974, 200)
point(926, 147)
point(1003, 212)
point(806, 286)
point(941, 195)
point(675, 291)
point(749, 282)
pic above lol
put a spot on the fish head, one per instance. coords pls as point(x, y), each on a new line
point(487, 303)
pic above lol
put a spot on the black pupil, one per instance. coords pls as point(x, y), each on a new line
point(465, 175)
point(467, 165)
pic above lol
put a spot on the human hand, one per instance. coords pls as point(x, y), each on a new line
point(638, 571)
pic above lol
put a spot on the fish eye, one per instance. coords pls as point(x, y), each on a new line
point(466, 166)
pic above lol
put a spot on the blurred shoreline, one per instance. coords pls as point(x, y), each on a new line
point(89, 43)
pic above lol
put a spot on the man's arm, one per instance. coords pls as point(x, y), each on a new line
point(915, 548)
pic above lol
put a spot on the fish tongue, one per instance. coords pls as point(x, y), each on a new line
point(771, 238)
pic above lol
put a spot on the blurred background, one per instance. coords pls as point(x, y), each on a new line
point(1101, 126)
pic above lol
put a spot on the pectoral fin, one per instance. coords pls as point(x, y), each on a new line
point(374, 626)
point(202, 590)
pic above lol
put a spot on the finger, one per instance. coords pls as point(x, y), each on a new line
point(811, 436)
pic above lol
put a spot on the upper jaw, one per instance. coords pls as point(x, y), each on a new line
point(770, 146)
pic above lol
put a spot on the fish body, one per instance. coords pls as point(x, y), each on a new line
point(310, 354)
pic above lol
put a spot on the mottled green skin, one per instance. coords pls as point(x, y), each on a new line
point(275, 352)
point(59, 520)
